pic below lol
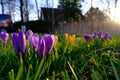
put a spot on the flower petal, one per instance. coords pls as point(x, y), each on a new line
point(14, 38)
point(41, 48)
point(22, 41)
point(49, 41)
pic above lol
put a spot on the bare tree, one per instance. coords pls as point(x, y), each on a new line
point(11, 8)
point(47, 3)
point(21, 10)
point(37, 9)
point(108, 6)
point(24, 10)
point(2, 2)
point(115, 8)
point(91, 2)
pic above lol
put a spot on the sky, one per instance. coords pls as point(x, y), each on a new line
point(103, 6)
point(33, 11)
point(42, 3)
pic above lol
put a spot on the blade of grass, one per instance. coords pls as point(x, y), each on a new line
point(94, 75)
point(28, 74)
point(4, 66)
point(72, 70)
point(115, 71)
point(39, 69)
point(11, 75)
point(20, 73)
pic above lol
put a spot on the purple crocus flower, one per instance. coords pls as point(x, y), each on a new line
point(100, 35)
point(19, 42)
point(87, 37)
point(94, 34)
point(14, 38)
point(29, 33)
point(41, 48)
point(107, 36)
point(22, 41)
point(34, 41)
point(4, 36)
point(49, 42)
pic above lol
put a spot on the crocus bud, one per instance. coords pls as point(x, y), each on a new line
point(94, 34)
point(41, 48)
point(55, 39)
point(66, 36)
point(14, 38)
point(4, 36)
point(29, 34)
point(87, 37)
point(100, 35)
point(72, 38)
point(34, 41)
point(22, 41)
point(49, 41)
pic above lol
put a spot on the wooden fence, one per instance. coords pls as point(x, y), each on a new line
point(82, 27)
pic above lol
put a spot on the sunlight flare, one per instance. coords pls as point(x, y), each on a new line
point(114, 14)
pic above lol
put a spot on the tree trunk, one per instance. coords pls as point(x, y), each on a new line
point(2, 5)
point(37, 9)
point(21, 10)
point(26, 11)
point(91, 2)
point(115, 8)
point(47, 3)
point(9, 7)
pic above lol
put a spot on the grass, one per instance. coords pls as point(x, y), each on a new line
point(81, 60)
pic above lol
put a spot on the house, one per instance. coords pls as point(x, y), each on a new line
point(56, 14)
point(52, 14)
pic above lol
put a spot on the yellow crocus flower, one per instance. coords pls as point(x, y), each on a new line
point(72, 38)
point(66, 36)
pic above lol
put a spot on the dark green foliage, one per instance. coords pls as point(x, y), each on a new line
point(39, 26)
point(80, 60)
point(36, 26)
point(71, 9)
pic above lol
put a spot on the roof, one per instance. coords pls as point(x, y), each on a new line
point(52, 14)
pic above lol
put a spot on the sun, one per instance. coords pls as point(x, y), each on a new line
point(115, 14)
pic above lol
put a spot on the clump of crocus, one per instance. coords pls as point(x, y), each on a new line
point(33, 40)
point(4, 36)
point(104, 36)
point(100, 35)
point(29, 34)
point(19, 42)
point(70, 38)
point(88, 37)
point(107, 36)
point(45, 45)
